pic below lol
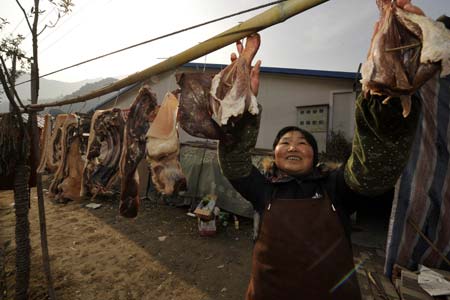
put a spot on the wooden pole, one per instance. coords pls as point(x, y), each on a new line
point(429, 242)
point(41, 208)
point(272, 16)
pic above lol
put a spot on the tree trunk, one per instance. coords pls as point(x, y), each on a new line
point(22, 201)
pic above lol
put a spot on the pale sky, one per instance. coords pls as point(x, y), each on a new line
point(334, 36)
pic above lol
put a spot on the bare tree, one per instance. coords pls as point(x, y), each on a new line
point(10, 51)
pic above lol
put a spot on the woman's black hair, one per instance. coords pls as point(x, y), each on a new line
point(308, 137)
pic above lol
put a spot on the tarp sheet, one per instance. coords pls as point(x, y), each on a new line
point(204, 177)
point(423, 192)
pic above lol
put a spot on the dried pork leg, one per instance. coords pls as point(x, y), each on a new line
point(399, 60)
point(194, 112)
point(231, 88)
point(163, 148)
point(133, 150)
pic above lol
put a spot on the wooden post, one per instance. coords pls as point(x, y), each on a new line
point(41, 207)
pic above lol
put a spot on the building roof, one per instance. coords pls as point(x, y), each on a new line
point(301, 72)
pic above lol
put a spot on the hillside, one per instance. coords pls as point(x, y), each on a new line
point(84, 106)
point(51, 90)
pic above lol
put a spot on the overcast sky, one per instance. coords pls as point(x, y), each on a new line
point(333, 36)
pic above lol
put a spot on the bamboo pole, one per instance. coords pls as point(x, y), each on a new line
point(270, 17)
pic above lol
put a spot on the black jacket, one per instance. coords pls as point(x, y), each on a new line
point(260, 190)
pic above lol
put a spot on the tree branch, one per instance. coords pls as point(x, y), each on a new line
point(5, 74)
point(7, 91)
point(44, 29)
point(25, 14)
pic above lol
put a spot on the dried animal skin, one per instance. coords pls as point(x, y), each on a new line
point(231, 88)
point(163, 148)
point(133, 150)
point(194, 112)
point(397, 63)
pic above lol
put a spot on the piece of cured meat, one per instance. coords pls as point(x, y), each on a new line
point(45, 143)
point(133, 150)
point(231, 88)
point(163, 149)
point(194, 112)
point(405, 52)
point(103, 152)
point(66, 183)
point(51, 144)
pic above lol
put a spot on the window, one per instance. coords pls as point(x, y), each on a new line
point(313, 118)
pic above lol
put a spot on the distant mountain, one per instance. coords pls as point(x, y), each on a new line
point(89, 87)
point(51, 90)
point(87, 105)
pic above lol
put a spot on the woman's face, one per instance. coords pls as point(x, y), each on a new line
point(293, 154)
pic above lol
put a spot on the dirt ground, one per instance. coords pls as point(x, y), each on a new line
point(96, 254)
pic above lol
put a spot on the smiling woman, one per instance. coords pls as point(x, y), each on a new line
point(303, 247)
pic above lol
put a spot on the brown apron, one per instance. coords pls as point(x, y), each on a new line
point(302, 253)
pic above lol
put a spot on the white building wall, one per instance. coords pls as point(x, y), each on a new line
point(342, 112)
point(280, 95)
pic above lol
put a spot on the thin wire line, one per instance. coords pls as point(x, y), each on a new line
point(155, 39)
